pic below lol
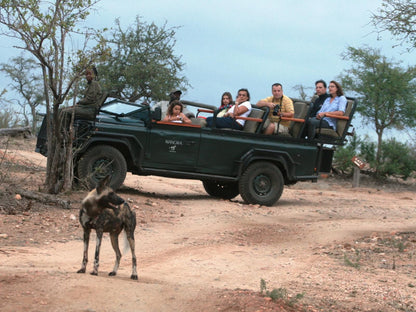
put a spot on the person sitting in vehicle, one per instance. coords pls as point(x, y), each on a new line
point(175, 95)
point(87, 106)
point(175, 114)
point(280, 106)
point(242, 107)
point(335, 104)
point(84, 109)
point(226, 103)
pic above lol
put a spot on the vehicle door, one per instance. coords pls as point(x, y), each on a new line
point(172, 146)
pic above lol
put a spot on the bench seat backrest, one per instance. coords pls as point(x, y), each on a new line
point(301, 111)
point(250, 125)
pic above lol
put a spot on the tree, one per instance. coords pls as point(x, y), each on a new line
point(142, 63)
point(48, 31)
point(386, 91)
point(302, 91)
point(26, 83)
point(399, 18)
point(8, 118)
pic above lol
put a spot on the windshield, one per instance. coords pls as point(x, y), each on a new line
point(119, 108)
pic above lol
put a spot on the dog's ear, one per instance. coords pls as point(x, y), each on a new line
point(103, 184)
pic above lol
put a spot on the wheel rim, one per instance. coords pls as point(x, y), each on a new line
point(101, 168)
point(262, 184)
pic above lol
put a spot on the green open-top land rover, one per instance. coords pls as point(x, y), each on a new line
point(126, 137)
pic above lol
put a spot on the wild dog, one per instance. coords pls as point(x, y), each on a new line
point(104, 211)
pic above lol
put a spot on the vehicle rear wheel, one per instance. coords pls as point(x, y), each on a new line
point(262, 183)
point(100, 161)
point(224, 190)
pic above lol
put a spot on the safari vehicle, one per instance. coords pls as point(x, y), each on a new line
point(126, 137)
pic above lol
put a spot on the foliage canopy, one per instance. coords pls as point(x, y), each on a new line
point(142, 64)
point(386, 91)
point(399, 18)
point(47, 30)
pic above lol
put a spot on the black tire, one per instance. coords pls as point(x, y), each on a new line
point(224, 190)
point(261, 183)
point(100, 161)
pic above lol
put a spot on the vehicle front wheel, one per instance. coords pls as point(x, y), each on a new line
point(261, 183)
point(224, 190)
point(100, 161)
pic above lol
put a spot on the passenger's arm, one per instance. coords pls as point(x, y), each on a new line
point(324, 114)
point(263, 103)
point(185, 119)
point(287, 114)
point(239, 110)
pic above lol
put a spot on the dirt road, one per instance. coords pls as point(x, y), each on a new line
point(323, 247)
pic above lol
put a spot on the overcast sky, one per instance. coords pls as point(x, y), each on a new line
point(231, 44)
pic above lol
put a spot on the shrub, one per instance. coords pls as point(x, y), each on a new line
point(396, 159)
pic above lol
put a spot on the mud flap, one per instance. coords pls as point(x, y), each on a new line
point(325, 159)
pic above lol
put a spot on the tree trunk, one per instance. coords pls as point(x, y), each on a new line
point(33, 112)
point(379, 142)
point(21, 131)
point(44, 198)
point(54, 166)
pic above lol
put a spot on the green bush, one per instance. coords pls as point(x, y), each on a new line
point(368, 150)
point(344, 154)
point(397, 159)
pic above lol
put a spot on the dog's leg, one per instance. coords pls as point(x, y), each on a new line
point(97, 251)
point(114, 243)
point(85, 257)
point(130, 226)
point(130, 238)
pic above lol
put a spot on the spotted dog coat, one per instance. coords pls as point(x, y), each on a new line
point(104, 211)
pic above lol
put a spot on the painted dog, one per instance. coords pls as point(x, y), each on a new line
point(104, 211)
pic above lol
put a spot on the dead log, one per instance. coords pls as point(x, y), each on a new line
point(44, 198)
point(14, 132)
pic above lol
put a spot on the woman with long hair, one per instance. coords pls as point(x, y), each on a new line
point(226, 103)
point(334, 104)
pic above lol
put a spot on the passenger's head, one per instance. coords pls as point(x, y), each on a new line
point(175, 95)
point(277, 90)
point(320, 87)
point(243, 95)
point(175, 108)
point(335, 89)
point(226, 98)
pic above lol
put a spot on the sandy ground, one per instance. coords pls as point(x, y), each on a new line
point(324, 247)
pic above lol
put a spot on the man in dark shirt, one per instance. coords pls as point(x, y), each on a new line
point(320, 88)
point(320, 91)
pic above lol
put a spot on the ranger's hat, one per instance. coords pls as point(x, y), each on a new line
point(175, 91)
